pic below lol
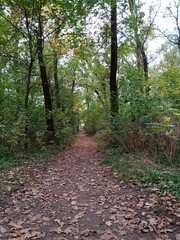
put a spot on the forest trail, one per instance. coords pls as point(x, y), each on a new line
point(75, 197)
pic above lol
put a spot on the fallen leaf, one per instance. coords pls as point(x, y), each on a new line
point(3, 229)
point(166, 230)
point(140, 203)
point(79, 215)
point(177, 236)
point(34, 190)
point(57, 230)
point(99, 212)
point(36, 218)
point(8, 188)
point(61, 223)
point(113, 217)
point(75, 208)
point(45, 219)
point(108, 223)
point(153, 221)
point(85, 232)
point(122, 232)
point(25, 230)
point(60, 238)
point(17, 225)
point(34, 235)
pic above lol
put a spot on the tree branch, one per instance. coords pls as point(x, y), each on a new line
point(22, 33)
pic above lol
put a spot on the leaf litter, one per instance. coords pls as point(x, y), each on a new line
point(75, 197)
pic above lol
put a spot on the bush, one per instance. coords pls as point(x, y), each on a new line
point(95, 118)
point(158, 137)
point(12, 134)
point(66, 126)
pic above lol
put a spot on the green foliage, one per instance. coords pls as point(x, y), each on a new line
point(148, 121)
point(150, 173)
point(12, 134)
point(94, 118)
point(22, 124)
point(155, 140)
point(19, 163)
point(21, 158)
point(66, 127)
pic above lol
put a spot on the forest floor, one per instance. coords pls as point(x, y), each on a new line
point(74, 196)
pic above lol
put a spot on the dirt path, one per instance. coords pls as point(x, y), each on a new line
point(75, 197)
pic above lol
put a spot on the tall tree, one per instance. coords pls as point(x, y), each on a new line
point(113, 70)
point(44, 78)
point(55, 64)
point(32, 54)
point(21, 19)
point(135, 21)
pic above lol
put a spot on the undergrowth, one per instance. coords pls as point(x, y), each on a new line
point(9, 161)
point(14, 167)
point(151, 173)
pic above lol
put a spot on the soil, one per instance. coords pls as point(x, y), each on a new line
point(74, 196)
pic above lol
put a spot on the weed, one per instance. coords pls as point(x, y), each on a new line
point(146, 171)
point(16, 164)
point(9, 161)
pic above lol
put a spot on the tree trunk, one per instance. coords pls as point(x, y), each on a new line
point(28, 81)
point(55, 66)
point(26, 101)
point(72, 94)
point(145, 62)
point(56, 82)
point(113, 71)
point(45, 85)
point(142, 62)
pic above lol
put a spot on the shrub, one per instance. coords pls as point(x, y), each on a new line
point(95, 118)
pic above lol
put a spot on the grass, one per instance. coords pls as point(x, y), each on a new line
point(146, 171)
point(9, 161)
point(16, 165)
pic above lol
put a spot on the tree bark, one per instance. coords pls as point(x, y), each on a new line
point(142, 62)
point(28, 81)
point(26, 101)
point(56, 81)
point(145, 62)
point(45, 84)
point(113, 71)
point(55, 65)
